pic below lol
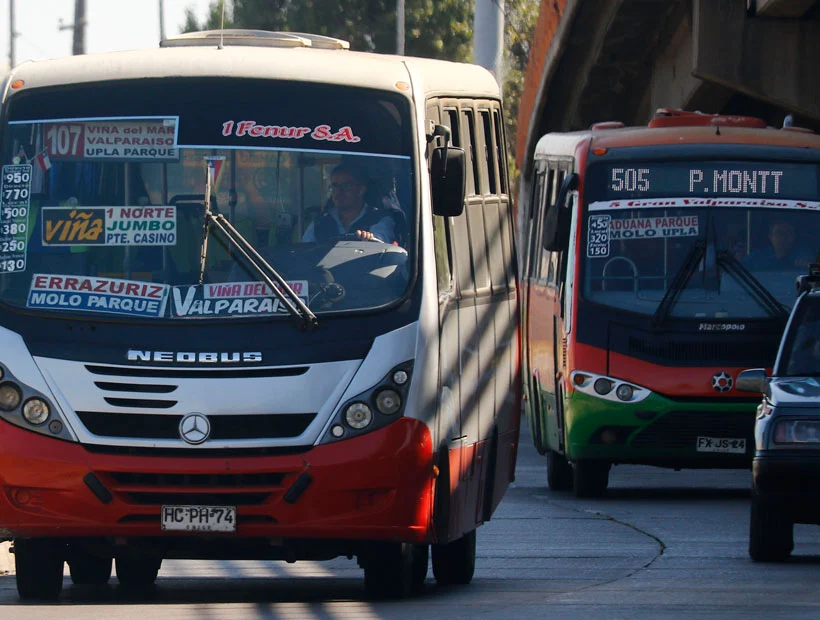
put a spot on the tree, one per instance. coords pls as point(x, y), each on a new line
point(433, 28)
point(520, 19)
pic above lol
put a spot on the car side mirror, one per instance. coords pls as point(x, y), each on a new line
point(558, 220)
point(448, 180)
point(753, 380)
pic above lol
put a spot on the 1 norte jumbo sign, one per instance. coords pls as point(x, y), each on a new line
point(109, 226)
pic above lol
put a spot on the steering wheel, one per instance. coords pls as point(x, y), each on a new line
point(326, 295)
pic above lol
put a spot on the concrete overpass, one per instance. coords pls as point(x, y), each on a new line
point(600, 60)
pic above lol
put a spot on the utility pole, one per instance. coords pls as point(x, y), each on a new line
point(78, 26)
point(161, 22)
point(12, 35)
point(400, 27)
point(488, 35)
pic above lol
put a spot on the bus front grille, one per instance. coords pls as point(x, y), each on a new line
point(223, 427)
point(202, 489)
point(664, 348)
point(681, 429)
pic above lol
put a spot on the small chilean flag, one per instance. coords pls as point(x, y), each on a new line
point(215, 163)
point(43, 161)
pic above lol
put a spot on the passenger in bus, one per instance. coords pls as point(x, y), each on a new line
point(349, 213)
point(783, 251)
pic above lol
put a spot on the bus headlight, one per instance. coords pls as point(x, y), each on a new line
point(602, 386)
point(10, 396)
point(388, 402)
point(400, 377)
point(607, 388)
point(372, 409)
point(358, 416)
point(36, 411)
point(624, 392)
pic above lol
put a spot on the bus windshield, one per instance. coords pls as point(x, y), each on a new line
point(715, 242)
point(104, 198)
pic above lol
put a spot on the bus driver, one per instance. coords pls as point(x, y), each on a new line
point(349, 213)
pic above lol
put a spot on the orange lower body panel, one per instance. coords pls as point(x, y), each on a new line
point(378, 486)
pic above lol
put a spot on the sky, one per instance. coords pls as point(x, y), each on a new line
point(111, 25)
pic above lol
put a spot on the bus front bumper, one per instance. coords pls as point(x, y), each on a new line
point(659, 431)
point(378, 486)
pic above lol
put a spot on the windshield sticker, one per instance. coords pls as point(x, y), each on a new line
point(131, 140)
point(15, 204)
point(71, 226)
point(653, 227)
point(320, 132)
point(231, 299)
point(666, 203)
point(598, 236)
point(90, 294)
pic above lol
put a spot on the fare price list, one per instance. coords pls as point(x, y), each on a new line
point(598, 236)
point(15, 202)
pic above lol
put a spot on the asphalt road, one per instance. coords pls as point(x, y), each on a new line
point(661, 544)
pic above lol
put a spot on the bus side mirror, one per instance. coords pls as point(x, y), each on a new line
point(448, 181)
point(557, 220)
point(754, 380)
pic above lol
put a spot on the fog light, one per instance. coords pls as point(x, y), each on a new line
point(609, 436)
point(624, 392)
point(337, 430)
point(36, 411)
point(602, 386)
point(55, 426)
point(10, 396)
point(400, 377)
point(388, 402)
point(358, 416)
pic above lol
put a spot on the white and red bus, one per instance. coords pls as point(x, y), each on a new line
point(189, 369)
point(660, 261)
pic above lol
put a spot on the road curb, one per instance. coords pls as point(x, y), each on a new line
point(6, 559)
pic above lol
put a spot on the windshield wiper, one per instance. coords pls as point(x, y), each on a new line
point(276, 283)
point(762, 296)
point(679, 282)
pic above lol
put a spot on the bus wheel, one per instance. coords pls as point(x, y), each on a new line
point(454, 562)
point(89, 570)
point(771, 534)
point(590, 478)
point(137, 571)
point(396, 570)
point(559, 472)
point(39, 565)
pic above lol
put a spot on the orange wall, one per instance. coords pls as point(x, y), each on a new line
point(548, 19)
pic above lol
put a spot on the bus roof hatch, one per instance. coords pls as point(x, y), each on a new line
point(254, 38)
point(668, 117)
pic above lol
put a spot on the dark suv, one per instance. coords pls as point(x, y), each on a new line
point(786, 465)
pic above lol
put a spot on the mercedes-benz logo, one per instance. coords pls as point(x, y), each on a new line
point(194, 428)
point(722, 382)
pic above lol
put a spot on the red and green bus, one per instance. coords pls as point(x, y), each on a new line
point(658, 262)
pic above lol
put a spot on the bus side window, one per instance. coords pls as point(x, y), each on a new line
point(548, 199)
point(535, 217)
point(441, 228)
